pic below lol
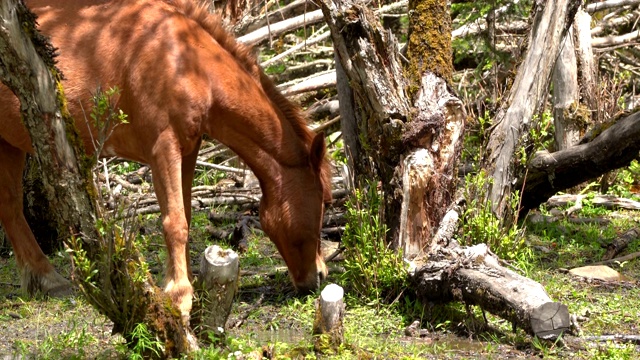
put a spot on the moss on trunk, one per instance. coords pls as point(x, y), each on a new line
point(429, 44)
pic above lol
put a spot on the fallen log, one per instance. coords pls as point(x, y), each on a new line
point(609, 4)
point(549, 173)
point(607, 201)
point(620, 259)
point(273, 30)
point(620, 338)
point(473, 275)
point(294, 8)
point(314, 82)
point(620, 243)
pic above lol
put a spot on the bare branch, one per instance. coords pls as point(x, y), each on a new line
point(609, 4)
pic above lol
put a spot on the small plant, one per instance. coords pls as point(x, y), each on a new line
point(71, 344)
point(481, 225)
point(143, 343)
point(625, 182)
point(542, 131)
point(106, 115)
point(614, 352)
point(373, 269)
point(338, 154)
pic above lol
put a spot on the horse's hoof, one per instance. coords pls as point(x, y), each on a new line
point(61, 291)
point(49, 284)
point(182, 298)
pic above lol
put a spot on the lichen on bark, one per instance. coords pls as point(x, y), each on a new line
point(429, 44)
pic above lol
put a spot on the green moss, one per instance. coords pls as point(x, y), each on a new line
point(581, 114)
point(429, 45)
point(85, 162)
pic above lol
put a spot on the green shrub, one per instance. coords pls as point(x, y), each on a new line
point(372, 269)
point(481, 225)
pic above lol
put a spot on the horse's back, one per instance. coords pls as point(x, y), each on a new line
point(11, 128)
point(146, 48)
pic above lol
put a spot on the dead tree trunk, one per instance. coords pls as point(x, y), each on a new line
point(27, 67)
point(551, 21)
point(574, 84)
point(585, 61)
point(411, 146)
point(412, 152)
point(565, 96)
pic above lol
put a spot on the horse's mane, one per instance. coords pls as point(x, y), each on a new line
point(198, 12)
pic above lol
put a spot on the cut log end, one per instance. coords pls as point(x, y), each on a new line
point(550, 320)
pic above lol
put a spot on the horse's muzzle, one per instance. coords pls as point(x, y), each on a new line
point(313, 281)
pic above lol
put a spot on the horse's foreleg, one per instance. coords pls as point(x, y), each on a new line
point(37, 273)
point(188, 171)
point(166, 165)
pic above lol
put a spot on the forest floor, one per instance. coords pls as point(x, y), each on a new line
point(270, 321)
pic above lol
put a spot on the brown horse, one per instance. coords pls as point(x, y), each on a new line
point(181, 76)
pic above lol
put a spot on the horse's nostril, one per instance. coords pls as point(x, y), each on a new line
point(321, 276)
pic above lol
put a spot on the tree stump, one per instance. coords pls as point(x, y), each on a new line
point(216, 287)
point(328, 322)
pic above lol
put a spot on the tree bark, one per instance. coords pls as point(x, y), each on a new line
point(586, 63)
point(551, 22)
point(27, 67)
point(565, 96)
point(574, 87)
point(410, 146)
point(29, 77)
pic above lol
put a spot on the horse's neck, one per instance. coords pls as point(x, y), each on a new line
point(270, 153)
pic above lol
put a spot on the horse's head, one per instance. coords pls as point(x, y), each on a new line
point(291, 216)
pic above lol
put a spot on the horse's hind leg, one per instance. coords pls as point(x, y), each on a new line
point(37, 273)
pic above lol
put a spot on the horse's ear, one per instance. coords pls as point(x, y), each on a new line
point(318, 151)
